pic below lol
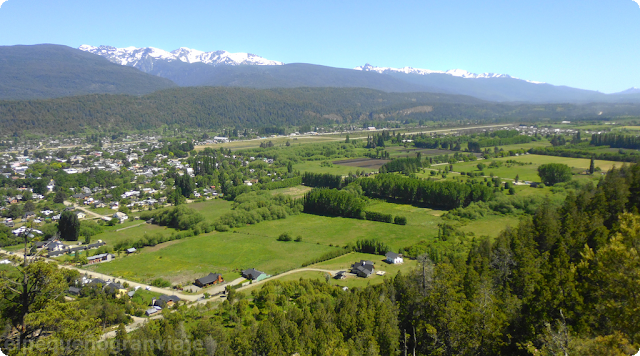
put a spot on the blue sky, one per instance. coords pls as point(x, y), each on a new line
point(590, 44)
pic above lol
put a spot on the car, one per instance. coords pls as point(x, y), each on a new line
point(148, 288)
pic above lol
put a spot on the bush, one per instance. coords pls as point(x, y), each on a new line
point(375, 216)
point(161, 283)
point(400, 220)
point(298, 239)
point(222, 227)
point(285, 236)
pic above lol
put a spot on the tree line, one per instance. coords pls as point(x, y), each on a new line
point(442, 195)
point(587, 152)
point(615, 140)
point(322, 180)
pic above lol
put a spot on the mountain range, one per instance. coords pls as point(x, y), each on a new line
point(49, 71)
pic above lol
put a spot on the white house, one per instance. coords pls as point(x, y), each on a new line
point(122, 217)
point(393, 258)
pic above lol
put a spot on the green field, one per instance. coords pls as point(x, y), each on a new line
point(315, 167)
point(101, 211)
point(340, 231)
point(133, 233)
point(181, 261)
point(491, 226)
point(530, 172)
point(212, 209)
point(295, 192)
point(526, 146)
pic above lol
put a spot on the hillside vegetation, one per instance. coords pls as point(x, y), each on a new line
point(224, 107)
point(50, 71)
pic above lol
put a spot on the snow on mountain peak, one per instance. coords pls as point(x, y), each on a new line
point(409, 70)
point(142, 58)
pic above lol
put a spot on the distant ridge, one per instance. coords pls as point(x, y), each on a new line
point(50, 71)
point(189, 67)
point(633, 90)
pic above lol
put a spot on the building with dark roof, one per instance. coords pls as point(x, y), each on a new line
point(211, 278)
point(363, 268)
point(253, 274)
point(165, 301)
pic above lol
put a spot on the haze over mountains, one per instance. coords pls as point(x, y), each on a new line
point(48, 71)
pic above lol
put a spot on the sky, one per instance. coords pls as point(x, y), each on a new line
point(588, 44)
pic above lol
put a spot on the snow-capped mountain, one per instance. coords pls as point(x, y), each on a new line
point(144, 58)
point(453, 72)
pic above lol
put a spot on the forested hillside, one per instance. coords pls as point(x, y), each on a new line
point(49, 71)
point(224, 107)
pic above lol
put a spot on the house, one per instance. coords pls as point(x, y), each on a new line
point(212, 278)
point(81, 215)
point(151, 311)
point(115, 288)
point(165, 301)
point(120, 216)
point(97, 281)
point(254, 274)
point(29, 215)
point(131, 250)
point(103, 257)
point(363, 268)
point(393, 258)
point(74, 290)
point(56, 246)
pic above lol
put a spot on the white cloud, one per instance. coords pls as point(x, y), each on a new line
point(636, 1)
point(3, 1)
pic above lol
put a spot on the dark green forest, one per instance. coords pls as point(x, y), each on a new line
point(224, 107)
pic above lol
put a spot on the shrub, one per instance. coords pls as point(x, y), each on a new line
point(298, 239)
point(400, 220)
point(161, 283)
point(285, 236)
point(375, 216)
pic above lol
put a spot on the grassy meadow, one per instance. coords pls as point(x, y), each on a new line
point(528, 171)
point(182, 261)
